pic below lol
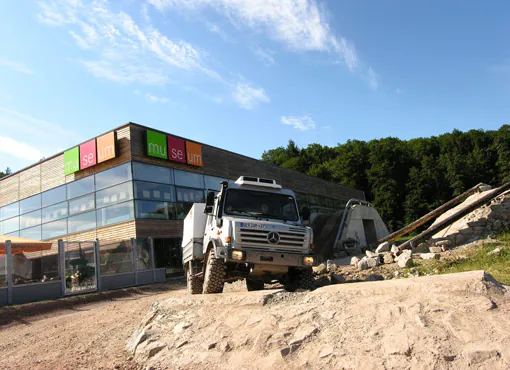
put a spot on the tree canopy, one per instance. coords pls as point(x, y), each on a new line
point(405, 179)
point(5, 173)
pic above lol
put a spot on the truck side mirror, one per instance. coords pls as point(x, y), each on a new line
point(209, 203)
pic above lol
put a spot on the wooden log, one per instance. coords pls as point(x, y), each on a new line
point(429, 216)
point(458, 215)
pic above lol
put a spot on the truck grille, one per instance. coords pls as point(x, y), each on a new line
point(291, 239)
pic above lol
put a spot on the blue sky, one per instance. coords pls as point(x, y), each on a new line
point(248, 75)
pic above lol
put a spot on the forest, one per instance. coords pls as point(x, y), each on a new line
point(405, 179)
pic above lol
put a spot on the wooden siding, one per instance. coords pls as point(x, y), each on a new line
point(9, 189)
point(159, 228)
point(221, 163)
point(30, 182)
point(52, 173)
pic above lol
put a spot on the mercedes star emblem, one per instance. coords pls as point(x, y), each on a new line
point(273, 237)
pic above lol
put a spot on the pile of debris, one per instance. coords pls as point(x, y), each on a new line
point(487, 220)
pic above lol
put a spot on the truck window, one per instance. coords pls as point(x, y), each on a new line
point(260, 204)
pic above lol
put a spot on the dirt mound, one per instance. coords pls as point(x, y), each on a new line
point(448, 321)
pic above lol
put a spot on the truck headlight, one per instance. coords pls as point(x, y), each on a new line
point(308, 260)
point(238, 255)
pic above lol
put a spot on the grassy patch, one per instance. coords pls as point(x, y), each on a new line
point(474, 259)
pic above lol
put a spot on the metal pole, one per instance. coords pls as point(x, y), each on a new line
point(153, 260)
point(8, 255)
point(98, 264)
point(62, 266)
point(134, 254)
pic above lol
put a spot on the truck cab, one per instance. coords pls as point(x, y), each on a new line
point(250, 230)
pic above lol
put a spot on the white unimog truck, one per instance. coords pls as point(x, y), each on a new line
point(249, 230)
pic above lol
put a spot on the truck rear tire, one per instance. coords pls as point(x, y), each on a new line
point(214, 274)
point(253, 285)
point(195, 284)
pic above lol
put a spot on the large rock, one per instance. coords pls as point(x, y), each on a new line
point(354, 261)
point(405, 261)
point(373, 262)
point(363, 264)
point(383, 247)
point(429, 256)
point(302, 333)
point(321, 269)
point(330, 266)
point(138, 337)
point(445, 244)
point(388, 258)
point(371, 254)
point(395, 250)
point(422, 248)
point(404, 253)
point(435, 249)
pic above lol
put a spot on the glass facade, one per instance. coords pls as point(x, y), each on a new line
point(122, 193)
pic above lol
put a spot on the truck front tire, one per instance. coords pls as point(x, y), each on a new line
point(300, 279)
point(214, 274)
point(195, 284)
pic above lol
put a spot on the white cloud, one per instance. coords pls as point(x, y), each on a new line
point(372, 79)
point(19, 149)
point(265, 57)
point(302, 123)
point(123, 51)
point(156, 99)
point(214, 28)
point(249, 97)
point(18, 67)
point(30, 139)
point(299, 24)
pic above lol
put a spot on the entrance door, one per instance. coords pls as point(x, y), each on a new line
point(370, 232)
point(80, 267)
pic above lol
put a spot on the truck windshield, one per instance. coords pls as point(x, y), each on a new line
point(260, 204)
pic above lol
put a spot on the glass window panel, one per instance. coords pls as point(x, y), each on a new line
point(143, 255)
point(213, 183)
point(113, 176)
point(142, 171)
point(30, 204)
point(115, 214)
point(153, 210)
point(85, 221)
point(151, 191)
point(80, 187)
point(82, 204)
point(79, 267)
point(30, 219)
point(53, 196)
point(10, 225)
point(16, 233)
point(115, 194)
point(54, 212)
point(181, 210)
point(33, 233)
point(190, 195)
point(9, 211)
point(27, 268)
point(54, 229)
point(193, 180)
point(116, 258)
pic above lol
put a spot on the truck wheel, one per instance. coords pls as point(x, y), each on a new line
point(306, 280)
point(214, 274)
point(253, 285)
point(195, 284)
point(299, 279)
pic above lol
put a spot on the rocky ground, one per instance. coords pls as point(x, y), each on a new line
point(438, 322)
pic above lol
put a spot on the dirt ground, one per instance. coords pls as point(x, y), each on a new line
point(438, 322)
point(82, 332)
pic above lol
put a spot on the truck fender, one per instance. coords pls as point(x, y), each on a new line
point(220, 251)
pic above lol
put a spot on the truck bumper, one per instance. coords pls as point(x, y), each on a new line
point(272, 258)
